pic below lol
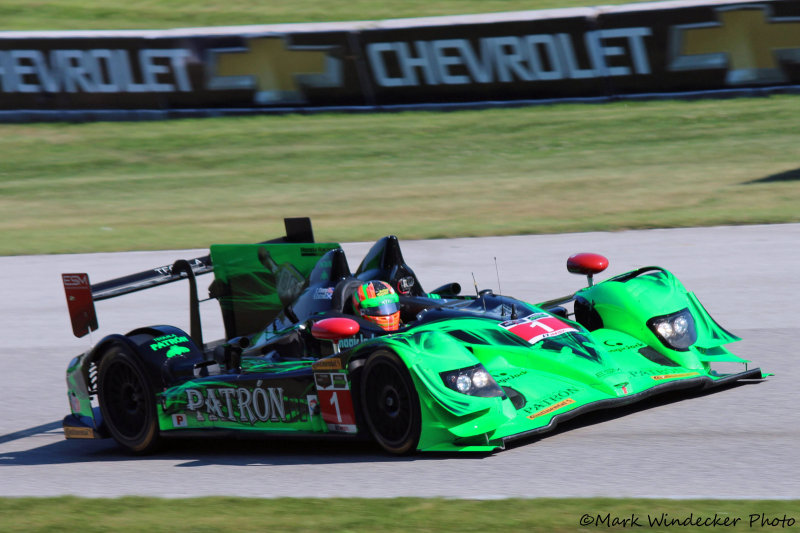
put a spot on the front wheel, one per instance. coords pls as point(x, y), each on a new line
point(390, 403)
point(127, 401)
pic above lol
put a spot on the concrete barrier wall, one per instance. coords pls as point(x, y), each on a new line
point(653, 49)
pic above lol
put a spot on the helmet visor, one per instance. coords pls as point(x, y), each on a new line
point(379, 307)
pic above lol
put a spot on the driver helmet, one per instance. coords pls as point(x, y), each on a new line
point(377, 302)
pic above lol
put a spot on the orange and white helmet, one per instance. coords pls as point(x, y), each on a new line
point(377, 302)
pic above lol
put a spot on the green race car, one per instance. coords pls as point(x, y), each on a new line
point(305, 356)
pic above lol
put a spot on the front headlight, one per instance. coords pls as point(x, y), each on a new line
point(474, 381)
point(676, 331)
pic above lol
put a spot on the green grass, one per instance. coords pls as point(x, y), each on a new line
point(563, 168)
point(391, 515)
point(151, 14)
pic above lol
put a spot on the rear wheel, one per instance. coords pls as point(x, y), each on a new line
point(127, 401)
point(390, 403)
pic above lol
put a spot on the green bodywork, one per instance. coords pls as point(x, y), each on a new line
point(547, 366)
point(575, 371)
point(567, 373)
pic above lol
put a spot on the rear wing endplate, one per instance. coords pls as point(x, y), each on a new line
point(80, 303)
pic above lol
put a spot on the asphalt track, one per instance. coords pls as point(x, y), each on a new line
point(741, 442)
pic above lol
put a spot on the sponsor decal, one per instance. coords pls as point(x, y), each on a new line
point(336, 402)
point(615, 346)
point(355, 340)
point(259, 404)
point(180, 421)
point(608, 372)
point(656, 373)
point(536, 327)
point(544, 403)
point(177, 350)
point(76, 281)
point(670, 376)
point(316, 251)
point(510, 59)
point(274, 69)
point(329, 363)
point(747, 41)
point(623, 388)
point(556, 407)
point(343, 428)
point(167, 270)
point(323, 293)
point(170, 340)
point(313, 404)
point(97, 70)
point(502, 377)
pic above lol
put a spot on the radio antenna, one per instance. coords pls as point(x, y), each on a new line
point(496, 271)
point(477, 292)
point(499, 289)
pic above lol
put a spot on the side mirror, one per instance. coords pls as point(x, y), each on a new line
point(448, 290)
point(335, 329)
point(587, 264)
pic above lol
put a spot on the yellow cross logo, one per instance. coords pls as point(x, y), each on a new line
point(276, 71)
point(747, 41)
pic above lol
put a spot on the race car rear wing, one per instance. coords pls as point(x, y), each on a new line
point(81, 295)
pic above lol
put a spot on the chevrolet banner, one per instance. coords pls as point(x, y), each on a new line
point(612, 51)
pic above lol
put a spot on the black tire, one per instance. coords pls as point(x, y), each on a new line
point(127, 401)
point(390, 403)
